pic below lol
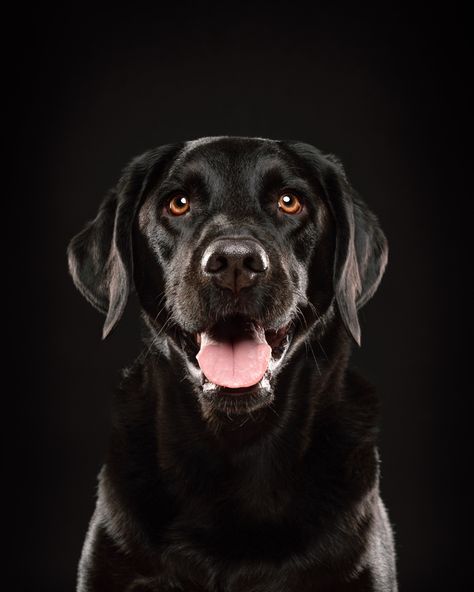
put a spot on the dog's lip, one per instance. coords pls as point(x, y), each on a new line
point(214, 390)
point(274, 337)
point(210, 387)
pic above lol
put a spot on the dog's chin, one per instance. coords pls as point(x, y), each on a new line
point(235, 399)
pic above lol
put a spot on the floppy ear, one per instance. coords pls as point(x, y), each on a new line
point(101, 255)
point(361, 248)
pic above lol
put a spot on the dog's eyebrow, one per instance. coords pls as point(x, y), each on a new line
point(183, 181)
point(278, 178)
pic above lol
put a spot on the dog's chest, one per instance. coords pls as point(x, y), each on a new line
point(225, 541)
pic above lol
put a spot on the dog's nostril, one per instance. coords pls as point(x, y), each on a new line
point(215, 263)
point(256, 262)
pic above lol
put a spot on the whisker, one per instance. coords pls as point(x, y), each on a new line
point(319, 319)
point(274, 410)
point(154, 339)
point(244, 422)
point(314, 357)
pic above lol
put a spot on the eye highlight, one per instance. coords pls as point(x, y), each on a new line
point(290, 203)
point(179, 205)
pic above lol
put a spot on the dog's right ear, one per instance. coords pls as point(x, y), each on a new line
point(100, 256)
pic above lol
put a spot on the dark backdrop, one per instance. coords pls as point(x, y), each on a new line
point(383, 90)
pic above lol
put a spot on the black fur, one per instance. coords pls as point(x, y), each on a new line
point(273, 490)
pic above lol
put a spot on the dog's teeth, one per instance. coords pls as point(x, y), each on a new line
point(198, 338)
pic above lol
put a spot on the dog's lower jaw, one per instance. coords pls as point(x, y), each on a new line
point(219, 406)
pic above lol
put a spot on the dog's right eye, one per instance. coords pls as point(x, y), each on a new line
point(179, 205)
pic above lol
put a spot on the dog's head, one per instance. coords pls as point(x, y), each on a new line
point(239, 249)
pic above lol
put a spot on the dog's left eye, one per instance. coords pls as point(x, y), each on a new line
point(290, 203)
point(179, 205)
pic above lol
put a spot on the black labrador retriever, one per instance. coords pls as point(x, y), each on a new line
point(243, 451)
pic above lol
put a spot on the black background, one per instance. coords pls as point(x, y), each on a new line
point(384, 90)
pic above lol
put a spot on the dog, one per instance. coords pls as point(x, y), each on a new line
point(243, 450)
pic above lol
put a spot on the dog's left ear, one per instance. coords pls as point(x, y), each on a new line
point(100, 256)
point(361, 247)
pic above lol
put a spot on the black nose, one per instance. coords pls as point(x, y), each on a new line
point(235, 263)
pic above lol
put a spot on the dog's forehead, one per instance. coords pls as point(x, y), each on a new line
point(225, 158)
point(230, 146)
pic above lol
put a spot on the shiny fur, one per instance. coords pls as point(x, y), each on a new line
point(274, 490)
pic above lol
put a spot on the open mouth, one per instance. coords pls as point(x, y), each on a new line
point(237, 355)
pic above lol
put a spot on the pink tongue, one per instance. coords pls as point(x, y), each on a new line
point(237, 364)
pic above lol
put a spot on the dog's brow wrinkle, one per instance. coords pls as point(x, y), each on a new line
point(218, 222)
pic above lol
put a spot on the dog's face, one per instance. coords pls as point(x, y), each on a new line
point(239, 249)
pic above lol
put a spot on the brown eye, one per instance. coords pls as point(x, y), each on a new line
point(179, 205)
point(290, 203)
